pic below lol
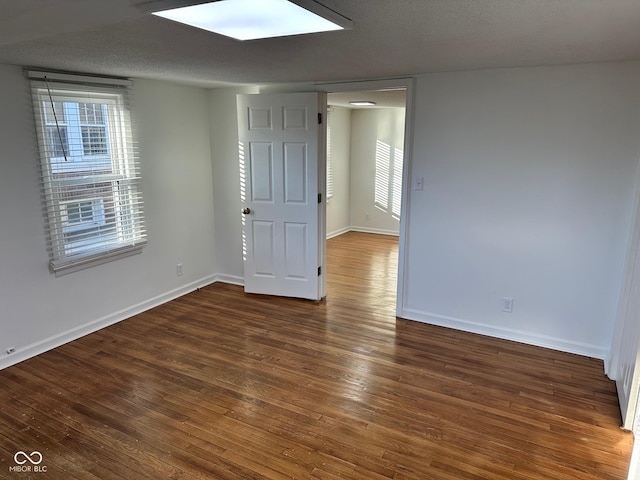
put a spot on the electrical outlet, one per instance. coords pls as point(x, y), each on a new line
point(179, 269)
point(366, 217)
point(507, 304)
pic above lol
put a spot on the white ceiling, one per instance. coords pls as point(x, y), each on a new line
point(389, 38)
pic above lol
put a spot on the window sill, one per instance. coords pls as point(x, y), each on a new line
point(71, 266)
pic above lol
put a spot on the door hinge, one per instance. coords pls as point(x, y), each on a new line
point(319, 271)
point(319, 119)
point(319, 198)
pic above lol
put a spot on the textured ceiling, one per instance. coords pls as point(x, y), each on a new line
point(389, 38)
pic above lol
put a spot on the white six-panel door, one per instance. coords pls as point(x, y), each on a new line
point(279, 148)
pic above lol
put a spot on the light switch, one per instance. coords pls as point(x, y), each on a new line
point(418, 183)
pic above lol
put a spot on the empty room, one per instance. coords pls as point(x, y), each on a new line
point(386, 240)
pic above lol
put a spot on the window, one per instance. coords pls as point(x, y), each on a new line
point(83, 214)
point(94, 128)
point(388, 183)
point(90, 170)
point(329, 159)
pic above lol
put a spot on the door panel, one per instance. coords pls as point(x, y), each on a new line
point(295, 173)
point(295, 117)
point(262, 174)
point(295, 240)
point(259, 118)
point(280, 145)
point(263, 248)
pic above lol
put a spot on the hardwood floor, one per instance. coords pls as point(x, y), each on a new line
point(222, 385)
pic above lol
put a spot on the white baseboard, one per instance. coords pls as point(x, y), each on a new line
point(378, 231)
point(335, 233)
point(232, 279)
point(54, 341)
point(42, 346)
point(520, 336)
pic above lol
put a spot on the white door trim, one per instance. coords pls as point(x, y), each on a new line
point(622, 362)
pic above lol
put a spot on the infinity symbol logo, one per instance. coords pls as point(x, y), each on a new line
point(30, 458)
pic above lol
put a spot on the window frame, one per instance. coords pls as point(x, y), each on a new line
point(111, 181)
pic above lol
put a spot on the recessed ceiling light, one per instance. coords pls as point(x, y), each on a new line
point(362, 103)
point(253, 19)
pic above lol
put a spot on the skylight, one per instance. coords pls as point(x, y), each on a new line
point(253, 19)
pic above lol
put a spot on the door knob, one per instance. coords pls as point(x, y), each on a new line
point(246, 210)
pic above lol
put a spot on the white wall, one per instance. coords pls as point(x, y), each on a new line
point(339, 207)
point(369, 126)
point(528, 190)
point(226, 182)
point(39, 311)
point(529, 176)
point(354, 135)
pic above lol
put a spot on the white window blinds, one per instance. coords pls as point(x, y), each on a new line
point(388, 181)
point(329, 158)
point(90, 169)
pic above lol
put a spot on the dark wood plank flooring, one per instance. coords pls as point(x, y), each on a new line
point(222, 385)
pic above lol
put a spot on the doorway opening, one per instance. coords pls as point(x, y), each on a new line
point(366, 169)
